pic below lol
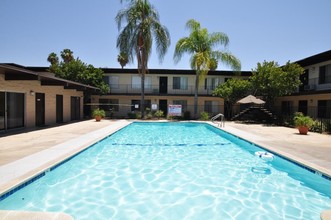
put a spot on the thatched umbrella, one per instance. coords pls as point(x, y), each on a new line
point(251, 99)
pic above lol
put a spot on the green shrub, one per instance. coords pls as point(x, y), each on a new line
point(159, 114)
point(317, 126)
point(149, 115)
point(98, 112)
point(301, 120)
point(134, 115)
point(327, 125)
point(204, 116)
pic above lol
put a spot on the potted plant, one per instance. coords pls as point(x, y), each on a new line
point(98, 114)
point(302, 122)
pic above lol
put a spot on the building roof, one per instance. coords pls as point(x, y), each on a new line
point(176, 71)
point(318, 58)
point(17, 72)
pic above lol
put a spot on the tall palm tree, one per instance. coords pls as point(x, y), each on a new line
point(199, 44)
point(67, 55)
point(53, 58)
point(142, 26)
point(123, 59)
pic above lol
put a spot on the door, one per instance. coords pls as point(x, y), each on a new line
point(59, 108)
point(303, 106)
point(75, 108)
point(163, 85)
point(2, 111)
point(40, 109)
point(163, 105)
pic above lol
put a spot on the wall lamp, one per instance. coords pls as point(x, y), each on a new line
point(32, 92)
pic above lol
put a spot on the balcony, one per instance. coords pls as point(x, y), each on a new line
point(128, 89)
point(314, 84)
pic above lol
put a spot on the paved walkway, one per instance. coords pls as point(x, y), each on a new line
point(24, 154)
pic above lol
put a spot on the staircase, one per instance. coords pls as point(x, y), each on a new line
point(255, 115)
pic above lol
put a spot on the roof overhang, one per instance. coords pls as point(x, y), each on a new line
point(15, 72)
point(318, 58)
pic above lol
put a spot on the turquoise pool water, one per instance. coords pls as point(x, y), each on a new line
point(175, 171)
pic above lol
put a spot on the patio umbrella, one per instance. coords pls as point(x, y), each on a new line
point(251, 99)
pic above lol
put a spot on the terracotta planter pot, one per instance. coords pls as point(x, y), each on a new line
point(98, 118)
point(303, 130)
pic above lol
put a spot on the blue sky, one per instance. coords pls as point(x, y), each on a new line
point(274, 30)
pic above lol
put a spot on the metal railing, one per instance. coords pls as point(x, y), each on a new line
point(316, 84)
point(222, 122)
point(158, 90)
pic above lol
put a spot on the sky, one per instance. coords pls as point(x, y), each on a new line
point(271, 30)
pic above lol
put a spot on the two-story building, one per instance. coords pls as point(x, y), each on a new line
point(163, 87)
point(313, 97)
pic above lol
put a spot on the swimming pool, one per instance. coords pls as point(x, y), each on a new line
point(175, 171)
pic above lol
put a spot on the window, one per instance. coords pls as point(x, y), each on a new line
point(287, 107)
point(106, 79)
point(180, 83)
point(136, 82)
point(109, 104)
point(211, 106)
point(183, 103)
point(324, 109)
point(211, 83)
point(303, 106)
point(113, 82)
point(135, 103)
point(325, 74)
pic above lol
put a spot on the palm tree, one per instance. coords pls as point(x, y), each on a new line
point(67, 55)
point(53, 58)
point(199, 44)
point(142, 26)
point(123, 59)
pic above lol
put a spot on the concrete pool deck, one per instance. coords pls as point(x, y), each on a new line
point(25, 153)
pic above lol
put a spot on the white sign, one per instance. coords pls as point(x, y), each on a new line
point(175, 110)
point(154, 106)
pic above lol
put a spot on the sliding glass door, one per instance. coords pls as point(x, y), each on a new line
point(15, 110)
point(11, 110)
point(2, 111)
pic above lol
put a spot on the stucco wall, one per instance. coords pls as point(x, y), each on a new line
point(26, 86)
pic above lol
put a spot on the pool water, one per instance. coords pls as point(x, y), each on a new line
point(175, 171)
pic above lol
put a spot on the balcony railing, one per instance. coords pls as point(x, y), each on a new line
point(315, 84)
point(129, 89)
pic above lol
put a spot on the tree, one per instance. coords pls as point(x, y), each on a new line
point(54, 60)
point(271, 81)
point(77, 71)
point(142, 26)
point(67, 55)
point(199, 44)
point(123, 59)
point(231, 91)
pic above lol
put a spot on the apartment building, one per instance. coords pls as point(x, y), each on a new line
point(32, 97)
point(313, 97)
point(163, 87)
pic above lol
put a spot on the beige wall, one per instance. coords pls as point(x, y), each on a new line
point(25, 86)
point(312, 101)
point(125, 102)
